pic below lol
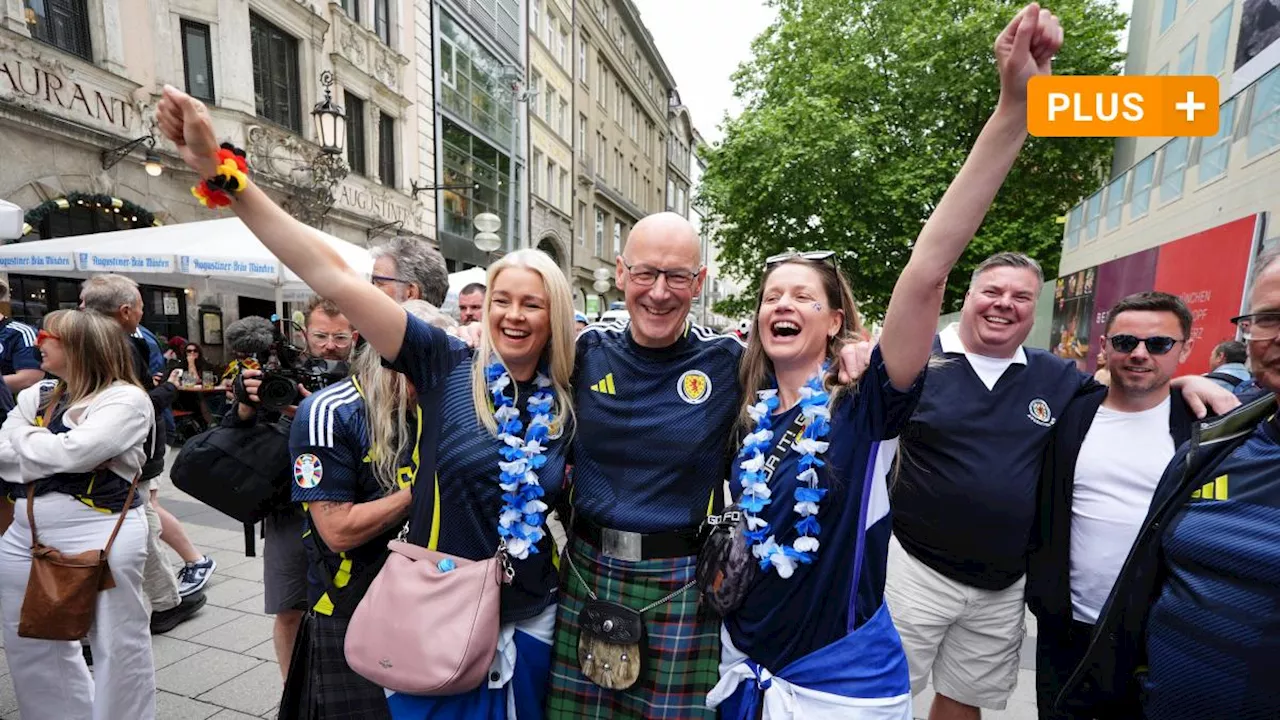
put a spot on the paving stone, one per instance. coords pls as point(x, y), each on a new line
point(233, 715)
point(255, 605)
point(8, 700)
point(265, 651)
point(230, 590)
point(208, 618)
point(248, 569)
point(254, 692)
point(169, 650)
point(203, 671)
point(176, 707)
point(239, 635)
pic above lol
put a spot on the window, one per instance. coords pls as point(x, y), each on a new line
point(648, 83)
point(635, 121)
point(680, 199)
point(617, 237)
point(563, 48)
point(550, 36)
point(63, 24)
point(1092, 216)
point(355, 133)
point(197, 59)
point(352, 9)
point(582, 224)
point(468, 159)
point(1074, 226)
point(647, 198)
point(1173, 169)
point(599, 233)
point(552, 196)
point(564, 189)
point(600, 154)
point(1115, 201)
point(382, 20)
point(603, 13)
point(387, 149)
point(635, 182)
point(1168, 15)
point(617, 169)
point(626, 183)
point(671, 194)
point(448, 64)
point(1215, 57)
point(1264, 120)
point(550, 105)
point(535, 14)
point(582, 132)
point(535, 173)
point(562, 119)
point(1142, 174)
point(582, 62)
point(602, 78)
point(648, 136)
point(1216, 151)
point(275, 74)
point(1187, 57)
point(619, 100)
point(480, 98)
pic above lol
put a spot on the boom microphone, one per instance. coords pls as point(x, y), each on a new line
point(251, 335)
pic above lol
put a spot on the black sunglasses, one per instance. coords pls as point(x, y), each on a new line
point(814, 255)
point(1156, 345)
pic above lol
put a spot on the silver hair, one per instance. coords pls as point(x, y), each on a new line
point(4, 291)
point(108, 293)
point(419, 264)
point(1266, 260)
point(428, 313)
point(1007, 259)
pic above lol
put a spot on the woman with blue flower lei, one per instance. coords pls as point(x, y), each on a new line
point(812, 636)
point(494, 419)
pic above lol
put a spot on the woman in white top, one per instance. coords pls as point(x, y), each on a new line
point(80, 463)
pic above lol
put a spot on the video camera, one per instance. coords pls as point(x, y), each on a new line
point(285, 366)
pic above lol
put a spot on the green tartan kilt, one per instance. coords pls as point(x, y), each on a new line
point(683, 655)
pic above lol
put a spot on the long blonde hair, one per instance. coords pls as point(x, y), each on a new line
point(97, 354)
point(559, 352)
point(388, 402)
point(756, 367)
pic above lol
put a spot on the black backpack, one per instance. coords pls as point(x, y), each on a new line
point(241, 472)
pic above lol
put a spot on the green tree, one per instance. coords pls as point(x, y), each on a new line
point(858, 114)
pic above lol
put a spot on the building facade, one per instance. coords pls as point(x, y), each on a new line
point(716, 287)
point(620, 110)
point(1161, 189)
point(680, 141)
point(550, 107)
point(80, 78)
point(480, 118)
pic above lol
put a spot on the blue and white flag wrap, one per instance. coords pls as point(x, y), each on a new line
point(863, 676)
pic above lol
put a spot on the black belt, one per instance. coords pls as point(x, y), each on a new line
point(632, 546)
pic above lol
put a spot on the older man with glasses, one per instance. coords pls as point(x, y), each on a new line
point(409, 269)
point(1190, 629)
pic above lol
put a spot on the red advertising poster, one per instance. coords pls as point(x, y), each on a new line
point(1208, 271)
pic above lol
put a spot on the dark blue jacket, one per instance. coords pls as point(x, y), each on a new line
point(1107, 682)
point(1049, 560)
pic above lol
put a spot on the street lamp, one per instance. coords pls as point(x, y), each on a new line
point(151, 162)
point(330, 122)
point(602, 284)
point(487, 239)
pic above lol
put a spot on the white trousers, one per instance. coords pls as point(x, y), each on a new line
point(50, 677)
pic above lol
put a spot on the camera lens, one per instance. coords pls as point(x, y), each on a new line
point(277, 392)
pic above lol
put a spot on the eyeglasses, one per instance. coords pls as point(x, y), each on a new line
point(384, 280)
point(192, 351)
point(644, 276)
point(338, 339)
point(1258, 326)
point(43, 335)
point(814, 255)
point(1156, 345)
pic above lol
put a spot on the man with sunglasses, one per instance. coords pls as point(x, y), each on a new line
point(1190, 629)
point(1108, 451)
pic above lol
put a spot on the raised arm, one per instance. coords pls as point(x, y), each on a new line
point(186, 122)
point(1023, 50)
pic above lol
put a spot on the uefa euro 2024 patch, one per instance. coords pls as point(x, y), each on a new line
point(307, 471)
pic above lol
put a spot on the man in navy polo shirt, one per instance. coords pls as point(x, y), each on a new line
point(19, 359)
point(1192, 627)
point(965, 496)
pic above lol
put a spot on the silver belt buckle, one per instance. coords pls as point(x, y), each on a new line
point(620, 544)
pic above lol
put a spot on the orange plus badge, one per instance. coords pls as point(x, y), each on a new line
point(1123, 106)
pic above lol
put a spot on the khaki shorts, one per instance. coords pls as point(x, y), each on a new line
point(967, 637)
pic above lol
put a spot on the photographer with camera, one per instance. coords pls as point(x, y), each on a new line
point(330, 341)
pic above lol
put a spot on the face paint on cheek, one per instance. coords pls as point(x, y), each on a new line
point(817, 307)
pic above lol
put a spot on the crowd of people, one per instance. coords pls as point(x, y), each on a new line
point(892, 506)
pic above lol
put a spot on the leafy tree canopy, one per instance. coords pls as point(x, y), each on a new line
point(858, 115)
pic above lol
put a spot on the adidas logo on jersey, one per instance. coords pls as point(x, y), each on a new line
point(605, 386)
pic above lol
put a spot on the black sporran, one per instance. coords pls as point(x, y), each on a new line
point(611, 644)
point(726, 567)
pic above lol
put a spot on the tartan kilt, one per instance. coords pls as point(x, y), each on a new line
point(682, 661)
point(321, 686)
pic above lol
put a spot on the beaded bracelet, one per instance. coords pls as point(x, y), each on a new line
point(232, 177)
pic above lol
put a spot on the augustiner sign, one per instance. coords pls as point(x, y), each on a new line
point(69, 95)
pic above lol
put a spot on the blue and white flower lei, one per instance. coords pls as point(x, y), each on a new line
point(755, 488)
point(523, 511)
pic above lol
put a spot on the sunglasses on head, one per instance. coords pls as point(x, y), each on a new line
point(1156, 345)
point(813, 255)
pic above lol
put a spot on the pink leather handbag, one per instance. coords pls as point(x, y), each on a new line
point(423, 631)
